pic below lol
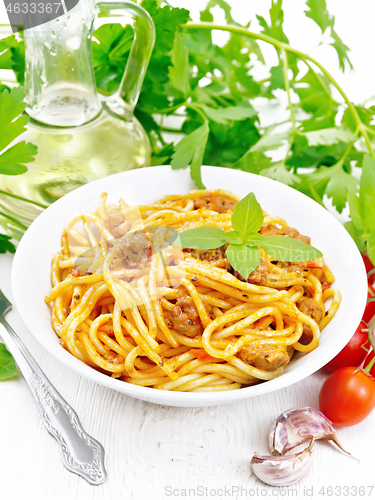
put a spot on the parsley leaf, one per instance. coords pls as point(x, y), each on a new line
point(342, 50)
point(328, 136)
point(12, 160)
point(223, 115)
point(279, 172)
point(6, 245)
point(356, 235)
point(355, 209)
point(196, 163)
point(253, 161)
point(367, 191)
point(179, 71)
point(13, 124)
point(277, 78)
point(225, 7)
point(186, 148)
point(8, 368)
point(12, 56)
point(275, 27)
point(317, 11)
point(339, 184)
point(371, 245)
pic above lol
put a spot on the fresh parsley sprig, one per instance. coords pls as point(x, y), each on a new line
point(8, 368)
point(13, 122)
point(244, 240)
point(13, 157)
point(362, 210)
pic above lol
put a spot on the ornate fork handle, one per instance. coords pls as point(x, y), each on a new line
point(80, 452)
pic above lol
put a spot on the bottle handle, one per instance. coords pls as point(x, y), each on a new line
point(140, 52)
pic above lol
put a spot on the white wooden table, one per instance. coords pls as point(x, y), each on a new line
point(159, 452)
point(155, 452)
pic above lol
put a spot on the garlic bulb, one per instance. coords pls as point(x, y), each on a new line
point(283, 470)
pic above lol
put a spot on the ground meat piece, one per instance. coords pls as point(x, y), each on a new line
point(184, 317)
point(134, 248)
point(216, 257)
point(192, 252)
point(214, 201)
point(293, 267)
point(258, 276)
point(267, 357)
point(118, 225)
point(271, 229)
point(213, 255)
point(311, 308)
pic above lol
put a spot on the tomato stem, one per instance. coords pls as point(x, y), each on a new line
point(371, 340)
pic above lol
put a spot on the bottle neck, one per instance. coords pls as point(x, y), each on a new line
point(59, 80)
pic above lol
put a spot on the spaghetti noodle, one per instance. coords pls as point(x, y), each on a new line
point(132, 306)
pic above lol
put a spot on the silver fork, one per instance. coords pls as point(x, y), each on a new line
point(80, 453)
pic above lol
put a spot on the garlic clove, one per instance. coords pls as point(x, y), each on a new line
point(299, 425)
point(283, 470)
point(283, 437)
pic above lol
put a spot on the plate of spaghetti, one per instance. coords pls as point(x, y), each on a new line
point(103, 285)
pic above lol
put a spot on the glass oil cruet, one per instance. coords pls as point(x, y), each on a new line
point(80, 135)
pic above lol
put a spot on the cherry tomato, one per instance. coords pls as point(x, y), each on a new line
point(347, 396)
point(369, 266)
point(352, 354)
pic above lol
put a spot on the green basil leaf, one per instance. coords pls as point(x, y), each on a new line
point(8, 366)
point(200, 238)
point(253, 239)
point(234, 237)
point(288, 249)
point(243, 259)
point(247, 215)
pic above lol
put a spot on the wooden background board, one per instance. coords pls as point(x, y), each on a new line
point(155, 452)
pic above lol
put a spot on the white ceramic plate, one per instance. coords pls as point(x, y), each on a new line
point(31, 268)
